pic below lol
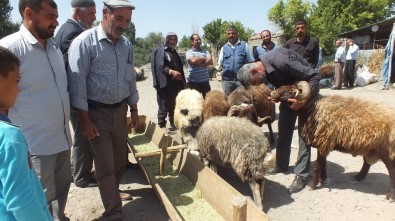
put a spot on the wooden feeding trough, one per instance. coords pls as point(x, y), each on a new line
point(224, 200)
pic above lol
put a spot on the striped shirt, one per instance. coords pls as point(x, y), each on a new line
point(42, 107)
point(197, 73)
point(101, 71)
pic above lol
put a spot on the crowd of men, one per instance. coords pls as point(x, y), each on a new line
point(84, 74)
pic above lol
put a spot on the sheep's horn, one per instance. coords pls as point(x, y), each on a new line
point(233, 111)
point(304, 90)
point(262, 121)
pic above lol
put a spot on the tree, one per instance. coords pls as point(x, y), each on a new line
point(6, 25)
point(215, 34)
point(284, 15)
point(331, 17)
point(185, 42)
point(143, 48)
point(130, 33)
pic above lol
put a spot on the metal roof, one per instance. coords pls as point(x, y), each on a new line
point(384, 25)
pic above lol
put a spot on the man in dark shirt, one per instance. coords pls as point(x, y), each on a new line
point(284, 67)
point(305, 45)
point(168, 79)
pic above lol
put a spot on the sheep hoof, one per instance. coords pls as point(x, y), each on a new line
point(311, 186)
point(359, 177)
point(390, 197)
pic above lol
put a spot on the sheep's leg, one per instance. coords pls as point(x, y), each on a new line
point(269, 125)
point(257, 189)
point(364, 170)
point(323, 175)
point(318, 165)
point(390, 164)
point(213, 167)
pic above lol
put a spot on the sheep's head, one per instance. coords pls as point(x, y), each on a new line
point(244, 110)
point(300, 91)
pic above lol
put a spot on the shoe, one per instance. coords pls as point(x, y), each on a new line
point(276, 170)
point(297, 185)
point(335, 88)
point(385, 88)
point(125, 196)
point(87, 182)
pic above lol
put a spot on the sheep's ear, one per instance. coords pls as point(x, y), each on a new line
point(233, 111)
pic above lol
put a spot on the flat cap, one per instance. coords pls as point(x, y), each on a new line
point(82, 3)
point(118, 4)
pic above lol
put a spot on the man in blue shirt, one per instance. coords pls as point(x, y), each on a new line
point(198, 61)
point(234, 54)
point(266, 46)
point(102, 86)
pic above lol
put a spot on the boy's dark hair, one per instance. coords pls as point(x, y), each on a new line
point(35, 5)
point(8, 61)
point(301, 22)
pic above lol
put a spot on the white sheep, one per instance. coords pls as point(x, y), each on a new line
point(240, 144)
point(188, 117)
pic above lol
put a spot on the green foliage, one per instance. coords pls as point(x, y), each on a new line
point(185, 42)
point(143, 48)
point(130, 33)
point(284, 15)
point(6, 25)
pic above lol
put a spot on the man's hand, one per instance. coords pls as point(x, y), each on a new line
point(176, 75)
point(89, 129)
point(133, 119)
point(296, 104)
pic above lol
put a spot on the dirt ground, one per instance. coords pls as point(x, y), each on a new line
point(341, 199)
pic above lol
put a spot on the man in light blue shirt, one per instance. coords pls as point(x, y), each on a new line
point(266, 46)
point(233, 55)
point(351, 60)
point(102, 86)
point(42, 107)
point(198, 61)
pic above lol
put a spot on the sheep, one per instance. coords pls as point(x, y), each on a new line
point(240, 144)
point(346, 124)
point(188, 117)
point(215, 104)
point(253, 104)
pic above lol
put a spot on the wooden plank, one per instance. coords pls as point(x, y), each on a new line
point(153, 153)
point(201, 177)
point(239, 208)
point(171, 211)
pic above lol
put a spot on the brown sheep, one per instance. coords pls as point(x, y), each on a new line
point(215, 104)
point(253, 104)
point(348, 125)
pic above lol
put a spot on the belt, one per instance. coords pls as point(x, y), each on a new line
point(95, 104)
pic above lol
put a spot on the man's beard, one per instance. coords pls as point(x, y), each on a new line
point(43, 33)
point(266, 41)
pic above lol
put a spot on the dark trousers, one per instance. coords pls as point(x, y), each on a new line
point(202, 87)
point(109, 150)
point(349, 72)
point(81, 157)
point(166, 98)
point(286, 126)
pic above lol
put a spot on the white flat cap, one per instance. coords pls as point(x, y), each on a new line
point(118, 4)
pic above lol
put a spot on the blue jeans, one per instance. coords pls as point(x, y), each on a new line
point(54, 173)
point(230, 86)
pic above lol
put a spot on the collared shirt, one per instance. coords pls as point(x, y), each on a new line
point(21, 194)
point(352, 52)
point(250, 57)
point(197, 73)
point(42, 107)
point(340, 55)
point(260, 50)
point(309, 49)
point(100, 70)
point(285, 67)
